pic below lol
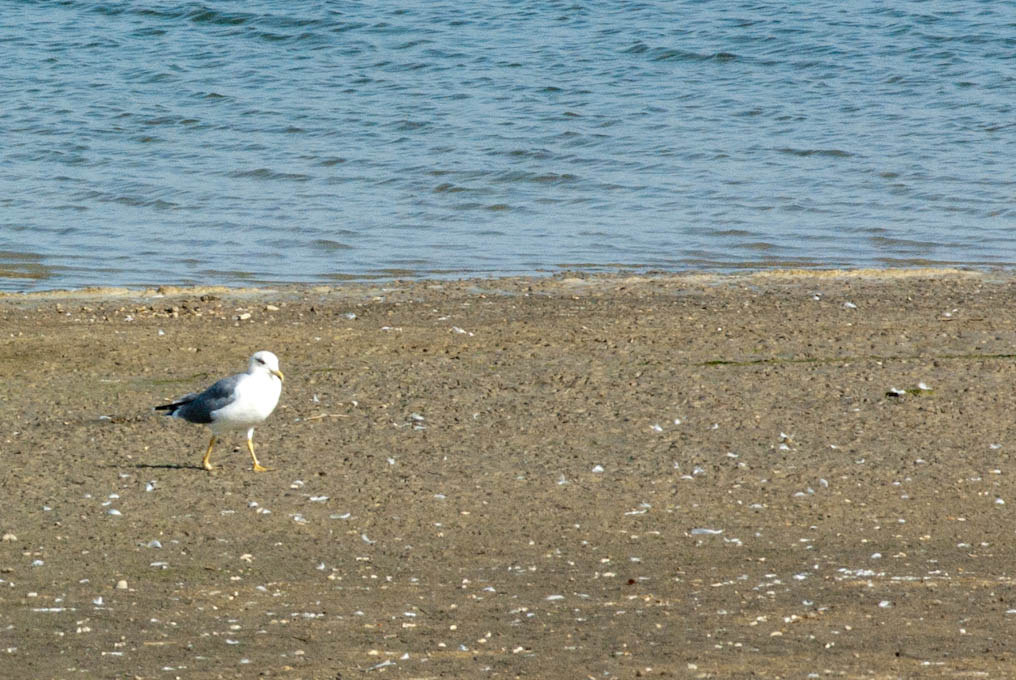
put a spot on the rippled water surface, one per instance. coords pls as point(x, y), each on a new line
point(256, 142)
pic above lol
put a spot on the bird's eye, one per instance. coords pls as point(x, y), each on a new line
point(259, 360)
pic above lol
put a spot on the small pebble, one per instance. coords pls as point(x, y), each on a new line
point(121, 584)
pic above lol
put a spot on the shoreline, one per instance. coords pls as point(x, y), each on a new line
point(562, 278)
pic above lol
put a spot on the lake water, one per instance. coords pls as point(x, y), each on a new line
point(255, 142)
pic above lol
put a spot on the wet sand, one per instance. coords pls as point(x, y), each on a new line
point(783, 475)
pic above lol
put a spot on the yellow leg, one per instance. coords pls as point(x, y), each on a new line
point(250, 447)
point(206, 462)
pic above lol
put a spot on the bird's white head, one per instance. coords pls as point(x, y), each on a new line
point(265, 361)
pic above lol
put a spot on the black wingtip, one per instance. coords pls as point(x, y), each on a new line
point(171, 407)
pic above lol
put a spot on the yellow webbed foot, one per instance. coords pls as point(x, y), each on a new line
point(258, 467)
point(206, 462)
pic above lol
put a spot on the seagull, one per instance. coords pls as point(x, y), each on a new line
point(234, 403)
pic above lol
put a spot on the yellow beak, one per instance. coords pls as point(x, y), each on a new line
point(282, 378)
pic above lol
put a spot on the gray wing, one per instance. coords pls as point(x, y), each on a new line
point(198, 408)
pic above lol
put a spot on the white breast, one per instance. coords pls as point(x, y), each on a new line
point(256, 397)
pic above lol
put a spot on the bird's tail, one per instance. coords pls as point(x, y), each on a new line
point(171, 409)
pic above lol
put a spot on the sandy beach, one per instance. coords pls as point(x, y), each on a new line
point(779, 475)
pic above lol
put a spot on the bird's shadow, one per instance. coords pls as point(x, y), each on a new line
point(167, 466)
